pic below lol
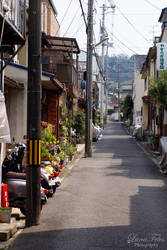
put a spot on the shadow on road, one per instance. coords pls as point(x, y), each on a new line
point(147, 217)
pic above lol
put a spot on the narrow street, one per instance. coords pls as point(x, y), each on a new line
point(115, 200)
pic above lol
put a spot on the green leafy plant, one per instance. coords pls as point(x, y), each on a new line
point(72, 149)
point(158, 89)
point(79, 123)
point(127, 107)
point(5, 208)
point(48, 143)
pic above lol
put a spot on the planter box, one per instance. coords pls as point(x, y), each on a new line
point(5, 215)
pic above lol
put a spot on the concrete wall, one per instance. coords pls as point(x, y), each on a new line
point(17, 104)
point(16, 107)
point(137, 95)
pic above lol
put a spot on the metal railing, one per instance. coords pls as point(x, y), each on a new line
point(14, 12)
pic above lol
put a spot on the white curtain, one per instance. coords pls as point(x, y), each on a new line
point(4, 125)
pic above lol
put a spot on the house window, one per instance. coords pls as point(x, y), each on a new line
point(145, 84)
point(45, 60)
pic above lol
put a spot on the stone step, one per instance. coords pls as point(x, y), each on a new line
point(7, 231)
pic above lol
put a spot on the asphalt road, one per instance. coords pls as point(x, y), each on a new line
point(115, 200)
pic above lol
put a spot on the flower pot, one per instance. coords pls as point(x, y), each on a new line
point(5, 215)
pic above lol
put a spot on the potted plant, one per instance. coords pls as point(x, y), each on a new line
point(155, 141)
point(5, 214)
point(72, 150)
point(48, 143)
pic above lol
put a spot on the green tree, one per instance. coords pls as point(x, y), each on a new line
point(158, 89)
point(79, 123)
point(128, 107)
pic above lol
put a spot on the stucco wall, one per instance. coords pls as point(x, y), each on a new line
point(137, 96)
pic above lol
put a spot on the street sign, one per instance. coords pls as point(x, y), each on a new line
point(161, 56)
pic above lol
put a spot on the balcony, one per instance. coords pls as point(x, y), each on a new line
point(12, 14)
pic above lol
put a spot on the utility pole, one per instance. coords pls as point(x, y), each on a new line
point(118, 86)
point(103, 45)
point(33, 201)
point(103, 35)
point(88, 138)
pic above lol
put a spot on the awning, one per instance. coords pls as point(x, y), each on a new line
point(13, 84)
point(64, 44)
point(19, 74)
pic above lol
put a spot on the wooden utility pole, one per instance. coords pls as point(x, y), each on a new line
point(88, 138)
point(118, 86)
point(33, 204)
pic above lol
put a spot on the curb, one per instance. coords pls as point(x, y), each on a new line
point(148, 152)
point(78, 155)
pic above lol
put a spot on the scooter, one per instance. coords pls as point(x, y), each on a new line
point(16, 181)
point(17, 191)
point(13, 160)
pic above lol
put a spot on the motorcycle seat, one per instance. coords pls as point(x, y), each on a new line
point(14, 175)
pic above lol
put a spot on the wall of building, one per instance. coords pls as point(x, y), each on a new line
point(138, 93)
point(145, 116)
point(49, 23)
point(53, 108)
point(16, 107)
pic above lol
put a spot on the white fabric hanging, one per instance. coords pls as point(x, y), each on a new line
point(4, 125)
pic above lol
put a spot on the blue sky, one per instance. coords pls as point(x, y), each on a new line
point(135, 23)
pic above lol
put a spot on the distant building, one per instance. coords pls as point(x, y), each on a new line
point(126, 89)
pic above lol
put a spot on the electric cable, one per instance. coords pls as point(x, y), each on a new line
point(71, 22)
point(76, 32)
point(124, 45)
point(64, 15)
point(132, 24)
point(153, 5)
point(83, 14)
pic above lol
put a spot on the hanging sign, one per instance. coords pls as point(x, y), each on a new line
point(161, 56)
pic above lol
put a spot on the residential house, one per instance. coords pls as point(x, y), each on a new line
point(82, 85)
point(125, 89)
point(148, 71)
point(153, 112)
point(16, 72)
point(138, 87)
point(12, 30)
point(60, 57)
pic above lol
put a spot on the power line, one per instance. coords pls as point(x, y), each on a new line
point(124, 44)
point(132, 25)
point(75, 33)
point(83, 14)
point(64, 15)
point(153, 5)
point(71, 22)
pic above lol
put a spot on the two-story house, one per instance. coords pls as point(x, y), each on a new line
point(17, 72)
point(60, 57)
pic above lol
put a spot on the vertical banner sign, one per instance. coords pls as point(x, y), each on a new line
point(162, 56)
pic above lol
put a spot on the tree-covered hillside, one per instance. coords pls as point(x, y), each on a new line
point(126, 68)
